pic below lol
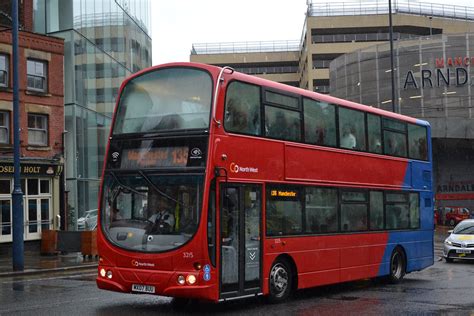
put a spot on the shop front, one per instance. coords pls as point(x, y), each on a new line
point(40, 183)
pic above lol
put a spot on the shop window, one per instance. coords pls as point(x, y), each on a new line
point(37, 129)
point(32, 186)
point(44, 186)
point(37, 75)
point(5, 223)
point(5, 187)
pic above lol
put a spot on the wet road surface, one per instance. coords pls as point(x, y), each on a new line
point(441, 289)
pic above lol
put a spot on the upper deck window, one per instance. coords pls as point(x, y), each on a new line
point(280, 99)
point(394, 136)
point(242, 109)
point(165, 100)
point(351, 129)
point(319, 122)
point(418, 145)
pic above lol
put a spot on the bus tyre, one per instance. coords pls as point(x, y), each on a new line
point(280, 281)
point(452, 222)
point(397, 266)
point(448, 260)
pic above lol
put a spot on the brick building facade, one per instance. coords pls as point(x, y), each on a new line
point(41, 100)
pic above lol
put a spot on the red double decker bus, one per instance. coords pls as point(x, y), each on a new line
point(218, 185)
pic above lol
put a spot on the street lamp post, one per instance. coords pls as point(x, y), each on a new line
point(17, 194)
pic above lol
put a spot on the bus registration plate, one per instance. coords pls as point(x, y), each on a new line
point(463, 251)
point(143, 288)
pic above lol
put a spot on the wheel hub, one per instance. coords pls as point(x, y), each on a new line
point(279, 278)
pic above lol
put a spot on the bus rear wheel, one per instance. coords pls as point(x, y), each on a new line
point(397, 266)
point(280, 281)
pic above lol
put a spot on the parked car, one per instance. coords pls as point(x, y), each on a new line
point(88, 221)
point(460, 242)
point(456, 214)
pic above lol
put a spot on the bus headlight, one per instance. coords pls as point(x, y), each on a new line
point(102, 272)
point(448, 242)
point(191, 279)
point(109, 274)
point(181, 280)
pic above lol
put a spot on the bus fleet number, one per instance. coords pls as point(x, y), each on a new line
point(188, 255)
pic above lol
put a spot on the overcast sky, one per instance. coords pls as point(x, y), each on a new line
point(177, 24)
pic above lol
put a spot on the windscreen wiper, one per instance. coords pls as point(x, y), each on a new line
point(154, 187)
point(123, 186)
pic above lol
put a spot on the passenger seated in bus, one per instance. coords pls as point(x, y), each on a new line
point(423, 148)
point(236, 117)
point(396, 147)
point(294, 130)
point(348, 139)
point(254, 127)
point(320, 132)
point(279, 127)
point(394, 217)
point(170, 122)
point(418, 148)
point(375, 145)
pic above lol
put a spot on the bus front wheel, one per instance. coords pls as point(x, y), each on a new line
point(397, 266)
point(280, 281)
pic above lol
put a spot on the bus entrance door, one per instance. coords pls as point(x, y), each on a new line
point(240, 240)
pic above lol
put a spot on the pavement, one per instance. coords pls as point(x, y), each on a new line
point(35, 263)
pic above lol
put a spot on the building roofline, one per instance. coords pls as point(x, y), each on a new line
point(377, 7)
point(245, 47)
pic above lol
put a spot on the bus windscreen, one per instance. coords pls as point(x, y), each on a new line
point(169, 99)
point(151, 213)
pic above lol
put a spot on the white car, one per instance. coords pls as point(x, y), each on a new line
point(88, 221)
point(460, 244)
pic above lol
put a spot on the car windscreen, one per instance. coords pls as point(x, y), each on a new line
point(464, 228)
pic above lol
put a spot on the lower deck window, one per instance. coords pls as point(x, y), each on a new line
point(332, 210)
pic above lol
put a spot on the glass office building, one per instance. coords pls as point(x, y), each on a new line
point(105, 41)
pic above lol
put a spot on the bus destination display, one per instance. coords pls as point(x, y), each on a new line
point(154, 157)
